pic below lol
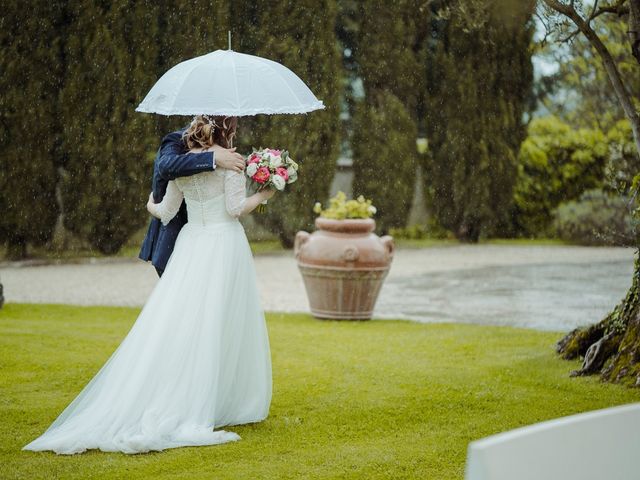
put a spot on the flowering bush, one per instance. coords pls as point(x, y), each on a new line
point(271, 167)
point(340, 208)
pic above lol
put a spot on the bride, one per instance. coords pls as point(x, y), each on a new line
point(197, 358)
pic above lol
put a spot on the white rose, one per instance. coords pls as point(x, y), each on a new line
point(252, 169)
point(275, 161)
point(278, 182)
point(293, 176)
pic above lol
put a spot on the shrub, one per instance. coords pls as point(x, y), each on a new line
point(432, 230)
point(597, 218)
point(556, 164)
point(623, 162)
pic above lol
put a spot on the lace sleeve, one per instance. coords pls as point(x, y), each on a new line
point(235, 194)
point(170, 204)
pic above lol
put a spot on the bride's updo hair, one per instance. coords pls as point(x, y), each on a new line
point(205, 130)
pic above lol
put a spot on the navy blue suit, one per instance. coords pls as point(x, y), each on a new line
point(172, 161)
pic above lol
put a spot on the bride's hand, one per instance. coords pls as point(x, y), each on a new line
point(267, 193)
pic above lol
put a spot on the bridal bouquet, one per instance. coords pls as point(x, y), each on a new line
point(267, 167)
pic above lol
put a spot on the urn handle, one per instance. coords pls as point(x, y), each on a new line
point(389, 245)
point(301, 238)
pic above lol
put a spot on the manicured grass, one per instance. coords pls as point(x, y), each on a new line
point(380, 399)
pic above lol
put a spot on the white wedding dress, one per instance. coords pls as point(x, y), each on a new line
point(197, 357)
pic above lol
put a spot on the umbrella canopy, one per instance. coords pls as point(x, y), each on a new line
point(225, 82)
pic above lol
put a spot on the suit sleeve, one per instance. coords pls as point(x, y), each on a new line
point(170, 204)
point(173, 162)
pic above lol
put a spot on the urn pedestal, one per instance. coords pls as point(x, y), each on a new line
point(343, 265)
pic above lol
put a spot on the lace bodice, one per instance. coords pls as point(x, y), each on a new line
point(214, 196)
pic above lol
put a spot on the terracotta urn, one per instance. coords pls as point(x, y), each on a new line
point(343, 264)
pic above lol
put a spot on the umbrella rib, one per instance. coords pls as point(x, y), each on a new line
point(178, 87)
point(235, 82)
point(285, 82)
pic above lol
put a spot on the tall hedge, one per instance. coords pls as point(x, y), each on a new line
point(187, 30)
point(477, 98)
point(384, 157)
point(111, 56)
point(29, 125)
point(384, 122)
point(301, 36)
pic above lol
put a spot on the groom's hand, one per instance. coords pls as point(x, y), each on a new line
point(228, 158)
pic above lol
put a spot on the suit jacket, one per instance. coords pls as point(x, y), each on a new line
point(172, 161)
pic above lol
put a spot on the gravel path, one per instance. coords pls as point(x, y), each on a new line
point(543, 287)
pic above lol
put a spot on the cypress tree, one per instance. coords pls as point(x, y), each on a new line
point(384, 122)
point(185, 32)
point(29, 124)
point(301, 36)
point(384, 157)
point(476, 101)
point(111, 63)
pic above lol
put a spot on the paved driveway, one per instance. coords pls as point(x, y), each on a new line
point(543, 287)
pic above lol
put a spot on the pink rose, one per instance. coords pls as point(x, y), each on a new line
point(262, 175)
point(282, 172)
point(253, 158)
point(274, 152)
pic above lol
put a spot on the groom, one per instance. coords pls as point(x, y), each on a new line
point(173, 160)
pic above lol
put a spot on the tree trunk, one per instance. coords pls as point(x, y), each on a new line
point(17, 249)
point(611, 347)
point(634, 28)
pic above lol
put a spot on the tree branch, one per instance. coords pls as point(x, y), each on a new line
point(619, 8)
point(570, 36)
point(607, 60)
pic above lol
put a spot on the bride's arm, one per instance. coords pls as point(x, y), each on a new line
point(169, 206)
point(235, 195)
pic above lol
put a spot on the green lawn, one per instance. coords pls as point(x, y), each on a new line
point(362, 400)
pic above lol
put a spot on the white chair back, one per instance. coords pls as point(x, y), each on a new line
point(598, 445)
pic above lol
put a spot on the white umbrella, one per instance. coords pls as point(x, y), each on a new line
point(225, 82)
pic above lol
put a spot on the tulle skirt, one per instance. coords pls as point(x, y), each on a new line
point(197, 358)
